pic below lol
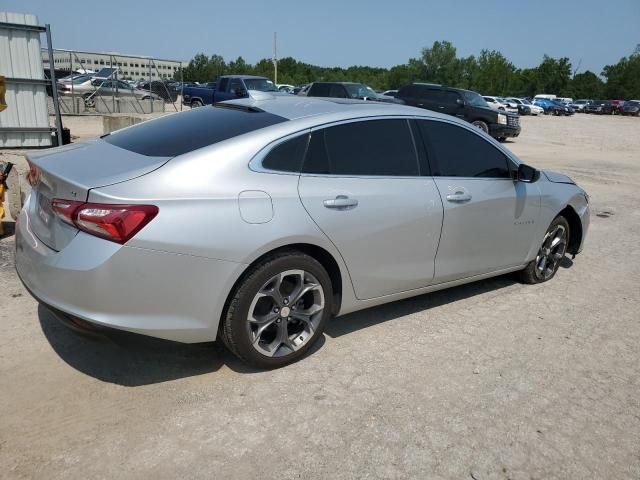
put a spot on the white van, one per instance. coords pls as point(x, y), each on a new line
point(545, 96)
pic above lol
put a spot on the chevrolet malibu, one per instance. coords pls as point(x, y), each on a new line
point(257, 220)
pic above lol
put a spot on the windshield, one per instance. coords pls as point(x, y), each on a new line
point(474, 99)
point(526, 102)
point(632, 103)
point(359, 90)
point(260, 84)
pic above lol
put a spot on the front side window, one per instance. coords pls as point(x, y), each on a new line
point(459, 152)
point(374, 148)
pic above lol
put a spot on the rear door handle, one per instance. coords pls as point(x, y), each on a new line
point(458, 197)
point(341, 202)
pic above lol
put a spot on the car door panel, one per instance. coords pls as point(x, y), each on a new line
point(389, 239)
point(361, 185)
point(489, 220)
point(491, 230)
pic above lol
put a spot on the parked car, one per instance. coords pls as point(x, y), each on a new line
point(595, 106)
point(565, 108)
point(89, 89)
point(516, 107)
point(533, 109)
point(301, 89)
point(255, 222)
point(631, 107)
point(495, 103)
point(227, 87)
point(465, 104)
point(581, 104)
point(614, 107)
point(285, 88)
point(549, 106)
point(346, 90)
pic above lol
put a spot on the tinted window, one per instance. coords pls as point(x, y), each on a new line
point(461, 153)
point(287, 157)
point(410, 91)
point(320, 90)
point(187, 131)
point(337, 91)
point(377, 147)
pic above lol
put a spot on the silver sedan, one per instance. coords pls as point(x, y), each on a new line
point(257, 220)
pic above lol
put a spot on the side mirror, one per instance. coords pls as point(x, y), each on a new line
point(527, 174)
point(240, 93)
point(460, 102)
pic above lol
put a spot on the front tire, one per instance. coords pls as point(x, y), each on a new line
point(551, 252)
point(481, 125)
point(196, 104)
point(278, 311)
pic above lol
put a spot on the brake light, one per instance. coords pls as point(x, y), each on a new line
point(33, 175)
point(117, 223)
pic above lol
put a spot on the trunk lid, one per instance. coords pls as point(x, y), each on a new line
point(69, 172)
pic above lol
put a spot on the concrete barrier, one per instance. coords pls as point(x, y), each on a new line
point(111, 123)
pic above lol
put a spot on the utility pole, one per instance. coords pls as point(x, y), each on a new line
point(275, 58)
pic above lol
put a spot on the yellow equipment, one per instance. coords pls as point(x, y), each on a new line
point(3, 90)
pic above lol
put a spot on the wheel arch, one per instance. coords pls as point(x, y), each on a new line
point(326, 259)
point(575, 228)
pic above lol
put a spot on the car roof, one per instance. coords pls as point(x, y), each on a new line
point(340, 83)
point(244, 76)
point(293, 107)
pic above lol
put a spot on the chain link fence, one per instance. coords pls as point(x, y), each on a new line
point(107, 83)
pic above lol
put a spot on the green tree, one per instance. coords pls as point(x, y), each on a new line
point(553, 76)
point(587, 85)
point(623, 78)
point(440, 64)
point(494, 73)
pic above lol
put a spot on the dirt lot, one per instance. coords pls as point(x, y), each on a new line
point(490, 380)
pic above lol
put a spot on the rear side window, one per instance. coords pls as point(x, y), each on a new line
point(320, 90)
point(184, 132)
point(375, 147)
point(287, 156)
point(461, 153)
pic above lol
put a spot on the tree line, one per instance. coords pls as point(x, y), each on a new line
point(490, 73)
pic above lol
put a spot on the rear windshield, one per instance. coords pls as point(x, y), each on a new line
point(187, 131)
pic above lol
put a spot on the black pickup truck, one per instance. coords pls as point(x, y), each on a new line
point(465, 104)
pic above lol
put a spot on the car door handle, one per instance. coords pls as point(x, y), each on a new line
point(341, 202)
point(458, 197)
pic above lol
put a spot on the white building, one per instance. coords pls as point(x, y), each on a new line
point(129, 66)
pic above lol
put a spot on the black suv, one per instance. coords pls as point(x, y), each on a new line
point(464, 104)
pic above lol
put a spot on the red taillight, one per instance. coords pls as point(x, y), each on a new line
point(114, 222)
point(33, 175)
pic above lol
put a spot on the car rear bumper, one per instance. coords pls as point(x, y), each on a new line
point(160, 294)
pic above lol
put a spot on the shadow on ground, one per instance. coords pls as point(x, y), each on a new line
point(392, 311)
point(132, 360)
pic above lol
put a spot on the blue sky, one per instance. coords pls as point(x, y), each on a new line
point(347, 32)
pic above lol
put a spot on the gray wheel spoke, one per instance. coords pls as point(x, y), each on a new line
point(303, 290)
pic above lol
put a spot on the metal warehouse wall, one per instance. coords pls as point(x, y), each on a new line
point(20, 58)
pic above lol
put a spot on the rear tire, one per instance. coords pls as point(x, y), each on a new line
point(551, 252)
point(269, 321)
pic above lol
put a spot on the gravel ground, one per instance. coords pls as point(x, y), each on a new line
point(491, 380)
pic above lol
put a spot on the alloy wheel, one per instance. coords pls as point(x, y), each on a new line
point(553, 249)
point(285, 313)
